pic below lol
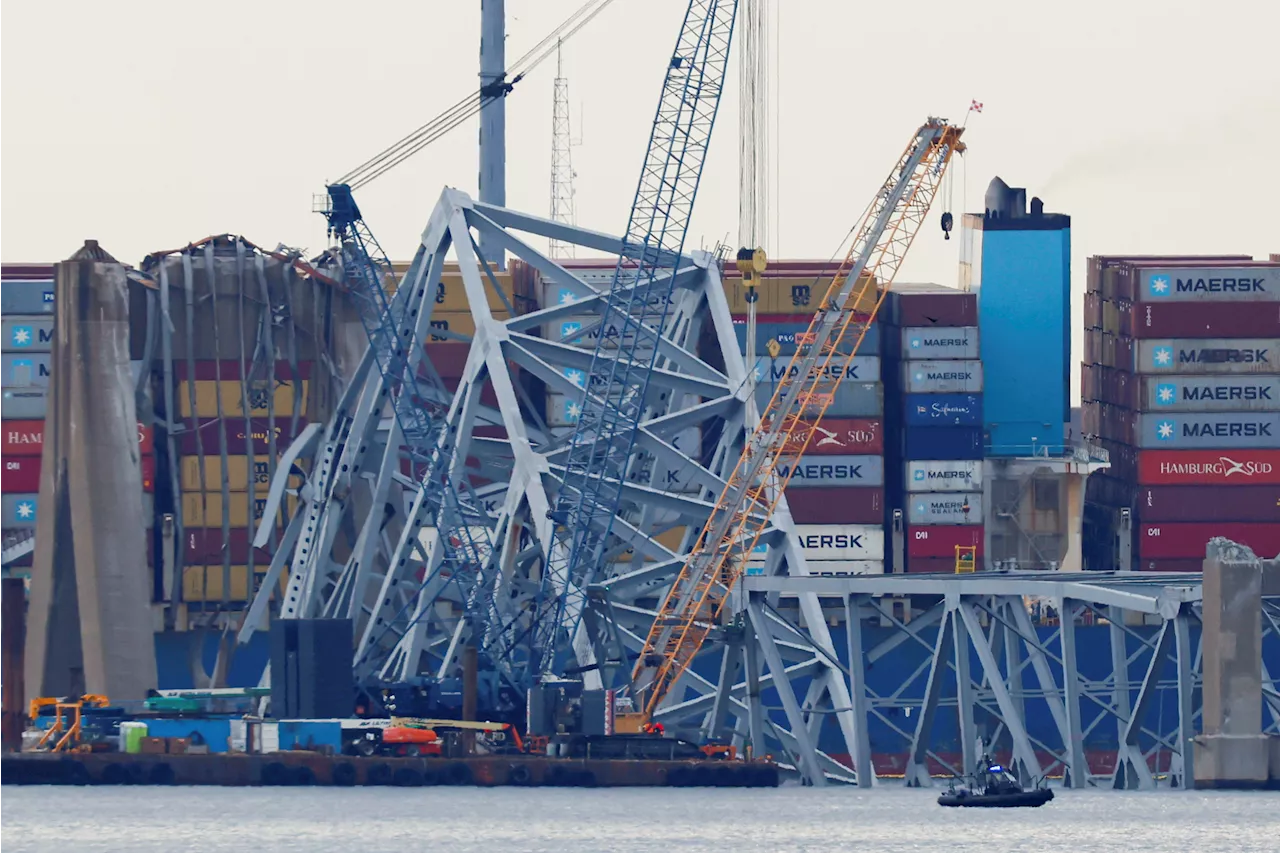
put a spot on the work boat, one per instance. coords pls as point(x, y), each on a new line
point(993, 787)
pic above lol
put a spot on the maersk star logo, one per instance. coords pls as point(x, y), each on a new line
point(1164, 430)
point(1166, 395)
point(1162, 356)
point(915, 343)
point(920, 508)
point(25, 511)
point(577, 377)
point(918, 475)
point(919, 376)
point(571, 411)
point(1159, 285)
point(566, 296)
point(567, 329)
point(21, 336)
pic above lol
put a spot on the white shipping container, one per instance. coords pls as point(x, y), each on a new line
point(841, 541)
point(934, 508)
point(939, 343)
point(1209, 355)
point(840, 568)
point(964, 475)
point(1209, 284)
point(942, 377)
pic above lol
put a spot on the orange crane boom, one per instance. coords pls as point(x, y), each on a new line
point(695, 601)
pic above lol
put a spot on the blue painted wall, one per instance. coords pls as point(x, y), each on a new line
point(1024, 317)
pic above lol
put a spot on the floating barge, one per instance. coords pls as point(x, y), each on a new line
point(300, 768)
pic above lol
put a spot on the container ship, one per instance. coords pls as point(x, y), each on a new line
point(945, 450)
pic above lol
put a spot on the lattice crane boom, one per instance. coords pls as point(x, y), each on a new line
point(420, 403)
point(601, 452)
point(696, 598)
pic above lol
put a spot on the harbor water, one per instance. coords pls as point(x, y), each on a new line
point(142, 820)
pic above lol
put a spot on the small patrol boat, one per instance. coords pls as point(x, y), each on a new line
point(993, 787)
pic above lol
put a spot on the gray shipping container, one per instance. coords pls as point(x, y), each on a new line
point(20, 371)
point(834, 472)
point(934, 508)
point(1209, 284)
point(1216, 431)
point(27, 404)
point(1211, 355)
point(1246, 393)
point(27, 334)
point(919, 342)
point(26, 296)
point(852, 400)
point(942, 377)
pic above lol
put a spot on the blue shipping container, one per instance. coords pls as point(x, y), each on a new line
point(927, 443)
point(943, 409)
point(213, 732)
point(317, 735)
point(785, 335)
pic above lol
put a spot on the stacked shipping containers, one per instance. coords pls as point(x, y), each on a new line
point(1181, 384)
point(235, 431)
point(836, 493)
point(27, 341)
point(934, 381)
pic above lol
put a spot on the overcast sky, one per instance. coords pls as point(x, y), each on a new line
point(148, 124)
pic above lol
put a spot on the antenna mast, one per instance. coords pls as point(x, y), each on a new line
point(561, 161)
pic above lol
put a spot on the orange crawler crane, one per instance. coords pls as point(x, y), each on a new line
point(698, 595)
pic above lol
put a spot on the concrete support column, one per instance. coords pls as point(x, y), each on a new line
point(1073, 552)
point(1232, 751)
point(91, 589)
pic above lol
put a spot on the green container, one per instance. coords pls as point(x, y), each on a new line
point(132, 734)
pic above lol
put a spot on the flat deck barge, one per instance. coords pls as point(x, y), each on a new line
point(310, 768)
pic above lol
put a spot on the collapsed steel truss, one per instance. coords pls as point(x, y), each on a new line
point(993, 618)
point(362, 547)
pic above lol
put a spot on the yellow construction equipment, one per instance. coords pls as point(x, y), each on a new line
point(966, 559)
point(696, 599)
point(64, 733)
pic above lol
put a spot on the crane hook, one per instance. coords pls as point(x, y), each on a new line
point(947, 222)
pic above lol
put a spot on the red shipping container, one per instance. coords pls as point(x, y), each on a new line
point(237, 445)
point(1208, 503)
point(23, 438)
point(1187, 565)
point(21, 475)
point(940, 540)
point(204, 546)
point(840, 437)
point(1188, 540)
point(931, 565)
point(857, 505)
point(1209, 467)
point(1207, 320)
point(229, 369)
point(942, 307)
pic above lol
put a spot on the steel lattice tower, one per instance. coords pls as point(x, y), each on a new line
point(561, 161)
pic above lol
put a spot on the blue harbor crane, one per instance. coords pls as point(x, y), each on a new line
point(613, 402)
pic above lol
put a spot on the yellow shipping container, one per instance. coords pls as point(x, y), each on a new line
point(669, 539)
point(451, 292)
point(236, 474)
point(789, 295)
point(208, 392)
point(204, 583)
point(457, 322)
point(205, 510)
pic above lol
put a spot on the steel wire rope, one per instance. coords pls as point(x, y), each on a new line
point(471, 105)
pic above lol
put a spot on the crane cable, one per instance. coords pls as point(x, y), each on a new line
point(472, 104)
